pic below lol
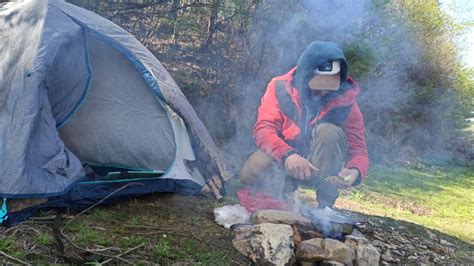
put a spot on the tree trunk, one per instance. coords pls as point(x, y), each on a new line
point(174, 17)
point(211, 24)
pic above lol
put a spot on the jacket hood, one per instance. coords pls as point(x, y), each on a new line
point(314, 55)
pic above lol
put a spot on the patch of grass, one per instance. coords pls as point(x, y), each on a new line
point(5, 244)
point(102, 214)
point(132, 241)
point(436, 197)
point(86, 235)
point(44, 239)
point(162, 248)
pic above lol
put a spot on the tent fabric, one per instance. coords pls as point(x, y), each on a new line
point(106, 128)
point(76, 88)
point(33, 159)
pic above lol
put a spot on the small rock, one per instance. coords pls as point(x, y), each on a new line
point(377, 243)
point(317, 250)
point(398, 252)
point(357, 233)
point(412, 258)
point(365, 253)
point(445, 243)
point(431, 235)
point(387, 257)
point(422, 246)
point(331, 263)
point(265, 243)
point(279, 217)
point(401, 239)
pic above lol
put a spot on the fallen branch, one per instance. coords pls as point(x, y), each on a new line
point(13, 258)
point(124, 253)
point(63, 235)
point(147, 227)
point(192, 233)
point(93, 251)
point(98, 203)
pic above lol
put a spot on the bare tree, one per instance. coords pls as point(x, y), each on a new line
point(212, 24)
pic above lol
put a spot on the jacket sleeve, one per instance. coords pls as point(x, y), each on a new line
point(268, 128)
point(354, 128)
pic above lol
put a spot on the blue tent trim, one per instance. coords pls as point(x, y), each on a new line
point(88, 84)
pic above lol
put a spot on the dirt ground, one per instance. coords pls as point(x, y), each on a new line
point(175, 229)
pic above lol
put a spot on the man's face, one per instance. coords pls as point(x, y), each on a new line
point(317, 94)
point(326, 77)
point(318, 82)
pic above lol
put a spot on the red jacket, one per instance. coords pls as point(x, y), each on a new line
point(273, 124)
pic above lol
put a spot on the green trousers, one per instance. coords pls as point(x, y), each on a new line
point(328, 151)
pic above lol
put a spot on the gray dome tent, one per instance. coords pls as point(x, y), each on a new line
point(75, 88)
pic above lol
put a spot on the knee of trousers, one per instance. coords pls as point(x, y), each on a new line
point(256, 165)
point(328, 134)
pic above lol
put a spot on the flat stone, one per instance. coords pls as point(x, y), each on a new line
point(280, 217)
point(331, 263)
point(412, 258)
point(387, 257)
point(445, 243)
point(378, 243)
point(357, 233)
point(318, 250)
point(265, 243)
point(365, 253)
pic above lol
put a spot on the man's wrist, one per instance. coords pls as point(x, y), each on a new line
point(358, 178)
point(287, 154)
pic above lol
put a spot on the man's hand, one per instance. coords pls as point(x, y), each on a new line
point(298, 167)
point(345, 178)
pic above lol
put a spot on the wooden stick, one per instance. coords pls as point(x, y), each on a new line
point(214, 189)
point(124, 253)
point(191, 232)
point(98, 203)
point(92, 251)
point(13, 258)
point(206, 189)
point(217, 181)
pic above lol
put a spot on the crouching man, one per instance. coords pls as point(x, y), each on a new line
point(309, 129)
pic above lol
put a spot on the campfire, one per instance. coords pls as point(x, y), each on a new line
point(279, 237)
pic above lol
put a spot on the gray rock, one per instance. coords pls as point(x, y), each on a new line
point(357, 233)
point(266, 243)
point(378, 243)
point(280, 217)
point(445, 243)
point(365, 253)
point(317, 250)
point(412, 258)
point(398, 252)
point(331, 263)
point(387, 257)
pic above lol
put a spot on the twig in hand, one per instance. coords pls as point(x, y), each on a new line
point(13, 258)
point(124, 253)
